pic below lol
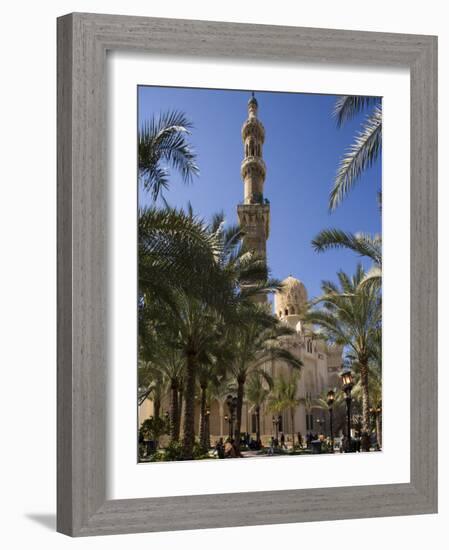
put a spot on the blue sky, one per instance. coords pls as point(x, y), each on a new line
point(303, 147)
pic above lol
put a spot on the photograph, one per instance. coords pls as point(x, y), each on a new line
point(259, 301)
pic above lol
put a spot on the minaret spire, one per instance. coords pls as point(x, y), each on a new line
point(254, 212)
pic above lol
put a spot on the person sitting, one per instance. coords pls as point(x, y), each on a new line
point(219, 448)
point(229, 449)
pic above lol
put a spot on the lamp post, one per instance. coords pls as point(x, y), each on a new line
point(347, 382)
point(330, 405)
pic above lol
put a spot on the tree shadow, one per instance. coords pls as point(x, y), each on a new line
point(47, 520)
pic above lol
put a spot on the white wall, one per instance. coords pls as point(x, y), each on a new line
point(27, 269)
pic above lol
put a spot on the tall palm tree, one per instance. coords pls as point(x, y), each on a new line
point(285, 398)
point(375, 382)
point(198, 328)
point(171, 365)
point(351, 316)
point(366, 147)
point(257, 392)
point(163, 143)
point(361, 243)
point(256, 343)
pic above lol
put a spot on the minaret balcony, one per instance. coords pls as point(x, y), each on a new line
point(252, 165)
point(253, 127)
point(252, 215)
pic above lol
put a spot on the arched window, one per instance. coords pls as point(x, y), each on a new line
point(292, 311)
point(286, 312)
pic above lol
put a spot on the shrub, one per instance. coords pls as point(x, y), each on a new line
point(173, 451)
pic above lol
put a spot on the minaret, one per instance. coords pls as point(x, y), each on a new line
point(254, 212)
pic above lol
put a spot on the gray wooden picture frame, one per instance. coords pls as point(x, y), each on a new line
point(83, 40)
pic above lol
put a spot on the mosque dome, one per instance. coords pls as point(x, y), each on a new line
point(291, 299)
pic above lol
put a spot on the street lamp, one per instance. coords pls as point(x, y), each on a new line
point(347, 382)
point(330, 404)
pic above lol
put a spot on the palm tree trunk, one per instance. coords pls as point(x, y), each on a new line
point(157, 407)
point(174, 415)
point(238, 422)
point(189, 410)
point(365, 407)
point(379, 430)
point(203, 438)
point(180, 401)
point(258, 424)
point(292, 413)
point(207, 432)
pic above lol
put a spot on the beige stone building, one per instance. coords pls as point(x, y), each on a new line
point(321, 362)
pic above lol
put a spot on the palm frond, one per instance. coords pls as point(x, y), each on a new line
point(361, 154)
point(162, 144)
point(347, 106)
point(360, 243)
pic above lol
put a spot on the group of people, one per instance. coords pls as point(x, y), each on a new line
point(228, 448)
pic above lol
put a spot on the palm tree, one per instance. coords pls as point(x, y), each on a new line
point(256, 343)
point(257, 392)
point(151, 384)
point(198, 327)
point(163, 143)
point(171, 364)
point(366, 146)
point(284, 397)
point(360, 243)
point(351, 316)
point(375, 381)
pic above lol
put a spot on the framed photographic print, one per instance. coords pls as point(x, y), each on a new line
point(247, 284)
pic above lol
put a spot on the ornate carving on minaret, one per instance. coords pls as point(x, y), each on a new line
point(254, 212)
